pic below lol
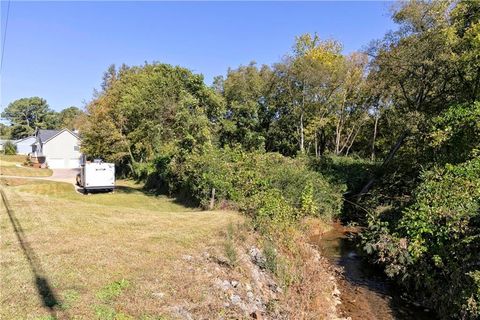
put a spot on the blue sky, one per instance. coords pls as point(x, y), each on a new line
point(59, 50)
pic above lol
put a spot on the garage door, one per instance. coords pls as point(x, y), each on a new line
point(73, 163)
point(56, 163)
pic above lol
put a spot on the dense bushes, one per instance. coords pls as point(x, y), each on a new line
point(434, 247)
point(426, 227)
point(268, 186)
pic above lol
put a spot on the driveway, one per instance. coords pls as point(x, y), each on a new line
point(60, 175)
point(64, 175)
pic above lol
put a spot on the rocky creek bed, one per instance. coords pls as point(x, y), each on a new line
point(365, 292)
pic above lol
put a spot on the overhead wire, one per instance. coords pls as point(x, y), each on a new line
point(5, 35)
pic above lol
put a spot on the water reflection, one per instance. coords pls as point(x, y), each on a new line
point(366, 292)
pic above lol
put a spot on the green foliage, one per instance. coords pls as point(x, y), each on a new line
point(146, 112)
point(27, 114)
point(455, 134)
point(265, 185)
point(9, 148)
point(351, 171)
point(434, 246)
point(70, 118)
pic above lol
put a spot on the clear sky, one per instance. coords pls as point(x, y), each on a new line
point(59, 50)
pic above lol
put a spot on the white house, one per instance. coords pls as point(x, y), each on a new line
point(57, 148)
point(24, 146)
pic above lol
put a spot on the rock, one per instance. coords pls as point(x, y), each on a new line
point(255, 274)
point(257, 257)
point(182, 313)
point(235, 299)
point(248, 287)
point(250, 295)
point(234, 283)
point(187, 257)
point(256, 315)
point(336, 292)
point(158, 295)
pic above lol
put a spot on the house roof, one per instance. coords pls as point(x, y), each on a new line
point(26, 138)
point(45, 135)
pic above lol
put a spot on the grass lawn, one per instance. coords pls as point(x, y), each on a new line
point(101, 256)
point(8, 167)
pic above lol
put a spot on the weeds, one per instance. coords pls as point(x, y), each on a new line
point(69, 298)
point(270, 254)
point(112, 290)
point(229, 247)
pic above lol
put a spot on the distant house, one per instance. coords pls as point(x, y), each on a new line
point(24, 146)
point(56, 148)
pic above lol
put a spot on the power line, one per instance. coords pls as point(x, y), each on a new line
point(5, 35)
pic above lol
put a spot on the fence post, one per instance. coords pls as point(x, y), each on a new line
point(212, 200)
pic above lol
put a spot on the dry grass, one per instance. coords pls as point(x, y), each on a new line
point(103, 256)
point(8, 167)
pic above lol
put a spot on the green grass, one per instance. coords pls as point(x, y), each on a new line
point(8, 167)
point(127, 195)
point(82, 245)
point(112, 290)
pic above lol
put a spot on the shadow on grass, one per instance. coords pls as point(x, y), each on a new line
point(44, 290)
point(180, 199)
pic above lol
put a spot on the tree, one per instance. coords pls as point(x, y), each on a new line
point(149, 111)
point(246, 118)
point(70, 117)
point(27, 114)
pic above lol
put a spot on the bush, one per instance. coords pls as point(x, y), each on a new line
point(265, 185)
point(434, 247)
point(9, 148)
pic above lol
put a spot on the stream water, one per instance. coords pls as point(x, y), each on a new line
point(366, 293)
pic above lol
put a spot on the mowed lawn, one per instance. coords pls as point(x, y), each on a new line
point(9, 167)
point(103, 256)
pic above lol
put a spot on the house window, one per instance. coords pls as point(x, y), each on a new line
point(76, 148)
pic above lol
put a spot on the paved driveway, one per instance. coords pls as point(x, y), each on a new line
point(64, 175)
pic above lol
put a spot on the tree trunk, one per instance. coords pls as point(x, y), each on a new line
point(372, 157)
point(302, 142)
point(389, 158)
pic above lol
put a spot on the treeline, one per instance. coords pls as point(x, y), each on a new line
point(27, 114)
point(272, 141)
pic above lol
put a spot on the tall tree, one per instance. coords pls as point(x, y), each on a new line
point(27, 114)
point(70, 118)
point(147, 112)
point(246, 117)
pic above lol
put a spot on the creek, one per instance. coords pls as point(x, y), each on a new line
point(366, 293)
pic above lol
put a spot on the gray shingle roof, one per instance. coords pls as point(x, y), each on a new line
point(44, 135)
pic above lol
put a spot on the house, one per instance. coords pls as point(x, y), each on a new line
point(24, 146)
point(56, 149)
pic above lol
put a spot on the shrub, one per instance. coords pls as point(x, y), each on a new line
point(9, 148)
point(251, 181)
point(434, 247)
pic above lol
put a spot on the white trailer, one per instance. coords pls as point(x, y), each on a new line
point(97, 175)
